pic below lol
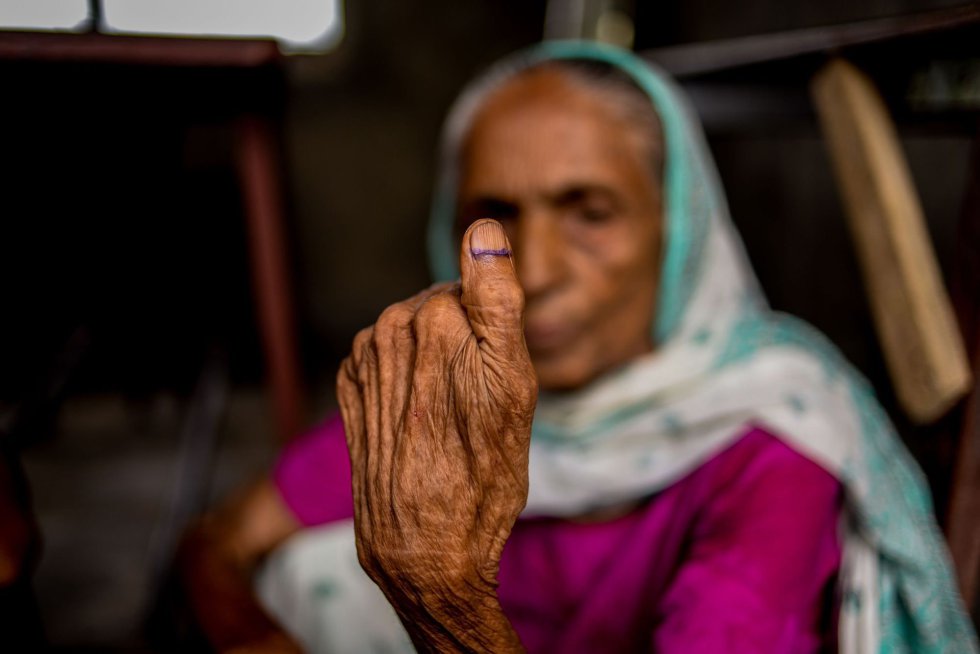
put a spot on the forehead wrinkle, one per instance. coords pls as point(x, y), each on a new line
point(548, 147)
point(543, 89)
point(584, 138)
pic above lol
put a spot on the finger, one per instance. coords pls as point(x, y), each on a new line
point(441, 329)
point(362, 475)
point(351, 409)
point(491, 294)
point(443, 337)
point(351, 400)
point(365, 357)
point(359, 382)
point(394, 342)
point(352, 412)
point(396, 324)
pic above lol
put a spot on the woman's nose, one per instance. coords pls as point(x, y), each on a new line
point(539, 253)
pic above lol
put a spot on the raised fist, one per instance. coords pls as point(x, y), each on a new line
point(437, 399)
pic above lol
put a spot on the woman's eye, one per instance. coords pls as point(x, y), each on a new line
point(594, 215)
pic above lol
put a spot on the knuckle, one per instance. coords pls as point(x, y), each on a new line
point(527, 387)
point(364, 346)
point(442, 287)
point(527, 395)
point(345, 385)
point(522, 389)
point(511, 297)
point(361, 340)
point(395, 317)
point(363, 336)
point(346, 373)
point(501, 305)
point(438, 309)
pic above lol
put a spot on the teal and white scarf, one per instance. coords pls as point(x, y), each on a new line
point(723, 361)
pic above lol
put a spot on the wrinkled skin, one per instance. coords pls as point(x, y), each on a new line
point(437, 399)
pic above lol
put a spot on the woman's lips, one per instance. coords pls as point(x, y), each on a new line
point(544, 335)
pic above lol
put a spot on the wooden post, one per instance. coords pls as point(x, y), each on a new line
point(261, 191)
point(912, 311)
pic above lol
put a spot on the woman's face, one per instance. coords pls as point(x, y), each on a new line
point(573, 186)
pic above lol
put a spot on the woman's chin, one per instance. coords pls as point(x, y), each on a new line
point(561, 373)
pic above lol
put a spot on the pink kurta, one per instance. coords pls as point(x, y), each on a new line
point(740, 555)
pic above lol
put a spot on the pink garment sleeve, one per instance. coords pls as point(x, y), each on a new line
point(762, 562)
point(313, 475)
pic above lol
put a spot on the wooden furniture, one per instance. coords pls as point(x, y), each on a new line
point(910, 305)
point(257, 162)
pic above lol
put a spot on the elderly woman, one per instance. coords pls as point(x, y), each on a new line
point(701, 475)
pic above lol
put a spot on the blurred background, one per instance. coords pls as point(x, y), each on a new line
point(193, 228)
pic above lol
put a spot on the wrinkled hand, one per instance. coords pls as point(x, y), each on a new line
point(437, 399)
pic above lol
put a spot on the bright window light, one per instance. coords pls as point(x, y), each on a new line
point(43, 14)
point(298, 25)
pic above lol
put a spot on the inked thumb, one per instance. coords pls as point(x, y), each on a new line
point(491, 293)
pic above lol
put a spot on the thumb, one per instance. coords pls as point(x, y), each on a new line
point(491, 294)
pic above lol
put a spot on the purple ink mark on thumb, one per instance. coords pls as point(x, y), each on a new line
point(478, 252)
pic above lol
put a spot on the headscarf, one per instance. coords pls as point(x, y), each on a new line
point(723, 361)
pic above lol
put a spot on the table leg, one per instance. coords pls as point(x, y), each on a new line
point(259, 175)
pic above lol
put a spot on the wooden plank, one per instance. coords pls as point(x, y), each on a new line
point(175, 51)
point(912, 311)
